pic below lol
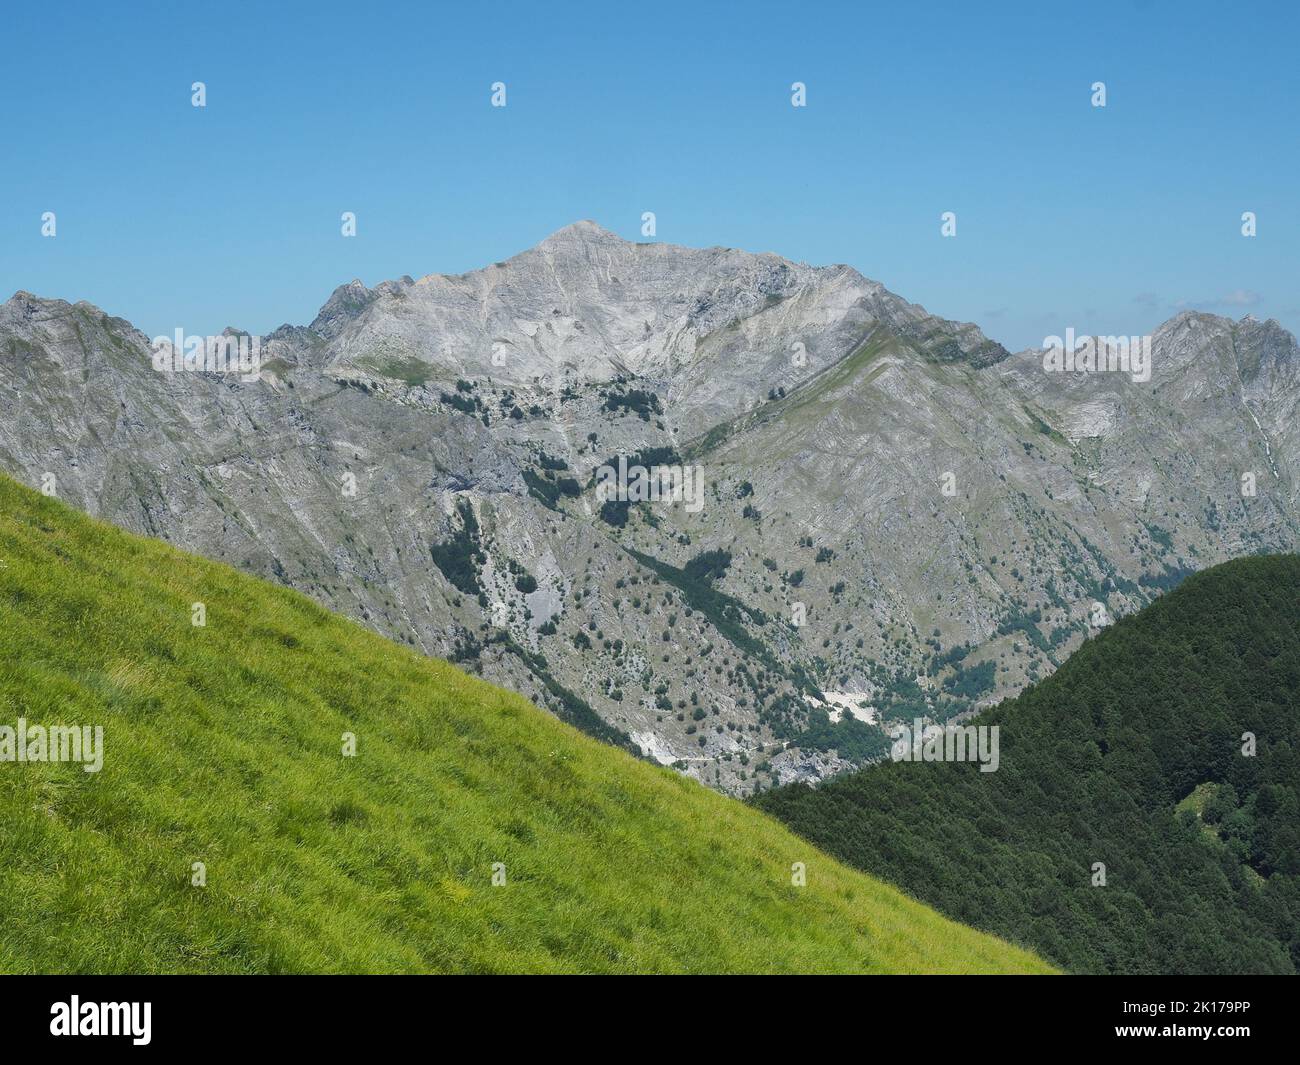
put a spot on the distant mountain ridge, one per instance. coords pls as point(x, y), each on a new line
point(900, 516)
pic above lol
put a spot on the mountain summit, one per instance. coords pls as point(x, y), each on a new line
point(716, 328)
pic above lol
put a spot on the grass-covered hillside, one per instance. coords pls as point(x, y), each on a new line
point(223, 745)
point(1167, 750)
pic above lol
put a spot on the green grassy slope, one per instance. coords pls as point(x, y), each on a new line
point(223, 745)
point(1133, 755)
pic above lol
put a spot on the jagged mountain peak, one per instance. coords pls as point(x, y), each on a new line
point(43, 320)
point(1269, 327)
point(24, 304)
point(344, 304)
point(712, 329)
point(582, 231)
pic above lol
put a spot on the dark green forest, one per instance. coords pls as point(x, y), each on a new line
point(1131, 755)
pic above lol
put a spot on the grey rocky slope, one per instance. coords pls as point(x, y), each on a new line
point(900, 516)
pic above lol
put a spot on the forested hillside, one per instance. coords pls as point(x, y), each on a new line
point(1137, 755)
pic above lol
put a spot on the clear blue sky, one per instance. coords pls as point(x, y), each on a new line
point(1108, 220)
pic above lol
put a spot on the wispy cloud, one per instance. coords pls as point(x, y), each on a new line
point(1238, 298)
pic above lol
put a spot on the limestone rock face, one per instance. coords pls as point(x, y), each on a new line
point(891, 505)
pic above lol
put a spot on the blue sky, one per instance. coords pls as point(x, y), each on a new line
point(1108, 220)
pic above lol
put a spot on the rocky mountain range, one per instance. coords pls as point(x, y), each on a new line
point(896, 516)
